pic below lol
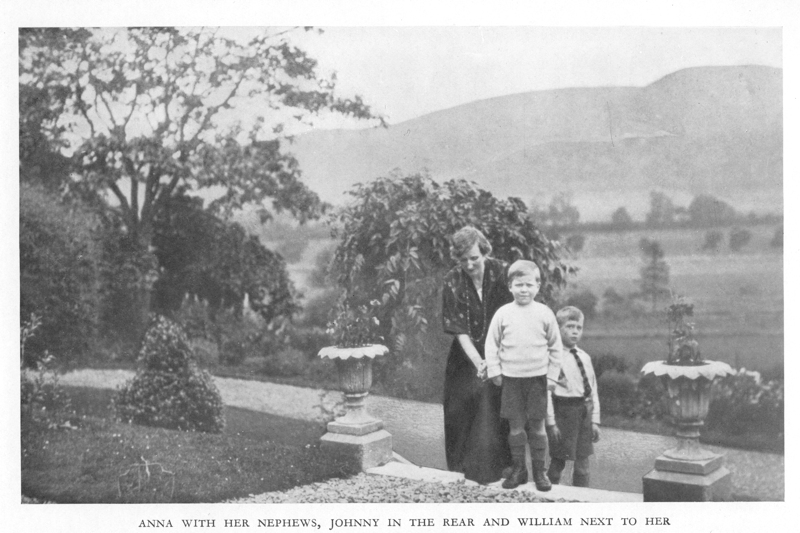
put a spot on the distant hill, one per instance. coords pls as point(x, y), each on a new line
point(716, 130)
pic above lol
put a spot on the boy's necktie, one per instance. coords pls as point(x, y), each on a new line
point(587, 389)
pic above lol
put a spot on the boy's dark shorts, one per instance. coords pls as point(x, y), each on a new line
point(574, 421)
point(524, 398)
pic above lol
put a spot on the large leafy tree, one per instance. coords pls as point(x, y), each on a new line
point(394, 246)
point(146, 114)
point(216, 261)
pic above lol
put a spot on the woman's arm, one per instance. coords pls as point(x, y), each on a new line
point(470, 350)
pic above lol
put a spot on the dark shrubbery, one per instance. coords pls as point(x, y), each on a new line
point(618, 392)
point(744, 403)
point(602, 363)
point(59, 280)
point(170, 391)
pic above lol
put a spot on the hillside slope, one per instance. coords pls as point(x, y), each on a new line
point(717, 130)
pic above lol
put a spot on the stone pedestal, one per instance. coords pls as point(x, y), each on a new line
point(676, 486)
point(357, 435)
point(368, 450)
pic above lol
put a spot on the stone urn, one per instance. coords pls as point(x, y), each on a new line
point(688, 397)
point(357, 433)
point(355, 379)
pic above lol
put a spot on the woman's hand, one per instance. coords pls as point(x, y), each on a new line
point(483, 373)
point(498, 380)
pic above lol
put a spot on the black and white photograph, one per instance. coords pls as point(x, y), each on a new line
point(291, 255)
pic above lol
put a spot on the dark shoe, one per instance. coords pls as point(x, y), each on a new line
point(554, 477)
point(507, 472)
point(518, 476)
point(540, 478)
point(555, 470)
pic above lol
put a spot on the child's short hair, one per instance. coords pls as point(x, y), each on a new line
point(522, 268)
point(570, 312)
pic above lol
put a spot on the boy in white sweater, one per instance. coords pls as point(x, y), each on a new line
point(523, 355)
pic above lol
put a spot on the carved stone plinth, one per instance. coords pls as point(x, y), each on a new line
point(666, 486)
point(368, 450)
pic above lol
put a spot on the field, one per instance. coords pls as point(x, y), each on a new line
point(738, 297)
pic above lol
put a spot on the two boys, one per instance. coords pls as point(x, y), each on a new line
point(524, 356)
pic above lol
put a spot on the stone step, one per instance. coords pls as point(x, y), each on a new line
point(566, 492)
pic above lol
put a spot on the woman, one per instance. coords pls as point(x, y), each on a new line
point(476, 438)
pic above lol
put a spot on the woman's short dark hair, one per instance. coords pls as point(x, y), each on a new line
point(465, 238)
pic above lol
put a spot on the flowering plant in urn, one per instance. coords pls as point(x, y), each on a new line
point(683, 347)
point(354, 330)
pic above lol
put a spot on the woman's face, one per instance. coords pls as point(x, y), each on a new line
point(472, 261)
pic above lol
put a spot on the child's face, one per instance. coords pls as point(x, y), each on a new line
point(525, 288)
point(571, 332)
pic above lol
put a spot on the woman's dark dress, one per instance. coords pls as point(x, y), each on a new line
point(476, 438)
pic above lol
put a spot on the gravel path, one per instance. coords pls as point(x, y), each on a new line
point(621, 457)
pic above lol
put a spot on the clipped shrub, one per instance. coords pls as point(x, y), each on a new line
point(170, 391)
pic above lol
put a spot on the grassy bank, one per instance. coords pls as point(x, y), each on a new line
point(102, 461)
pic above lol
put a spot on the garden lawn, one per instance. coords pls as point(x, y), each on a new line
point(97, 462)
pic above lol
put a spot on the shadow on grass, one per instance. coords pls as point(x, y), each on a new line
point(104, 461)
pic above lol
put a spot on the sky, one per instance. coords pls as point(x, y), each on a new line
point(406, 72)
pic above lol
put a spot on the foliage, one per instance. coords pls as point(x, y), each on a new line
point(777, 238)
point(317, 312)
point(285, 363)
point(575, 242)
point(683, 347)
point(706, 210)
point(621, 219)
point(663, 212)
point(393, 246)
point(744, 402)
point(320, 274)
point(584, 300)
point(738, 239)
point(42, 398)
point(712, 240)
point(150, 116)
point(354, 326)
point(609, 362)
point(169, 390)
point(560, 213)
point(654, 275)
point(617, 306)
point(618, 392)
point(59, 274)
point(202, 256)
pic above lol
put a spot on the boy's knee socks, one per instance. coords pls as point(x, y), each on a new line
point(538, 444)
point(517, 441)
